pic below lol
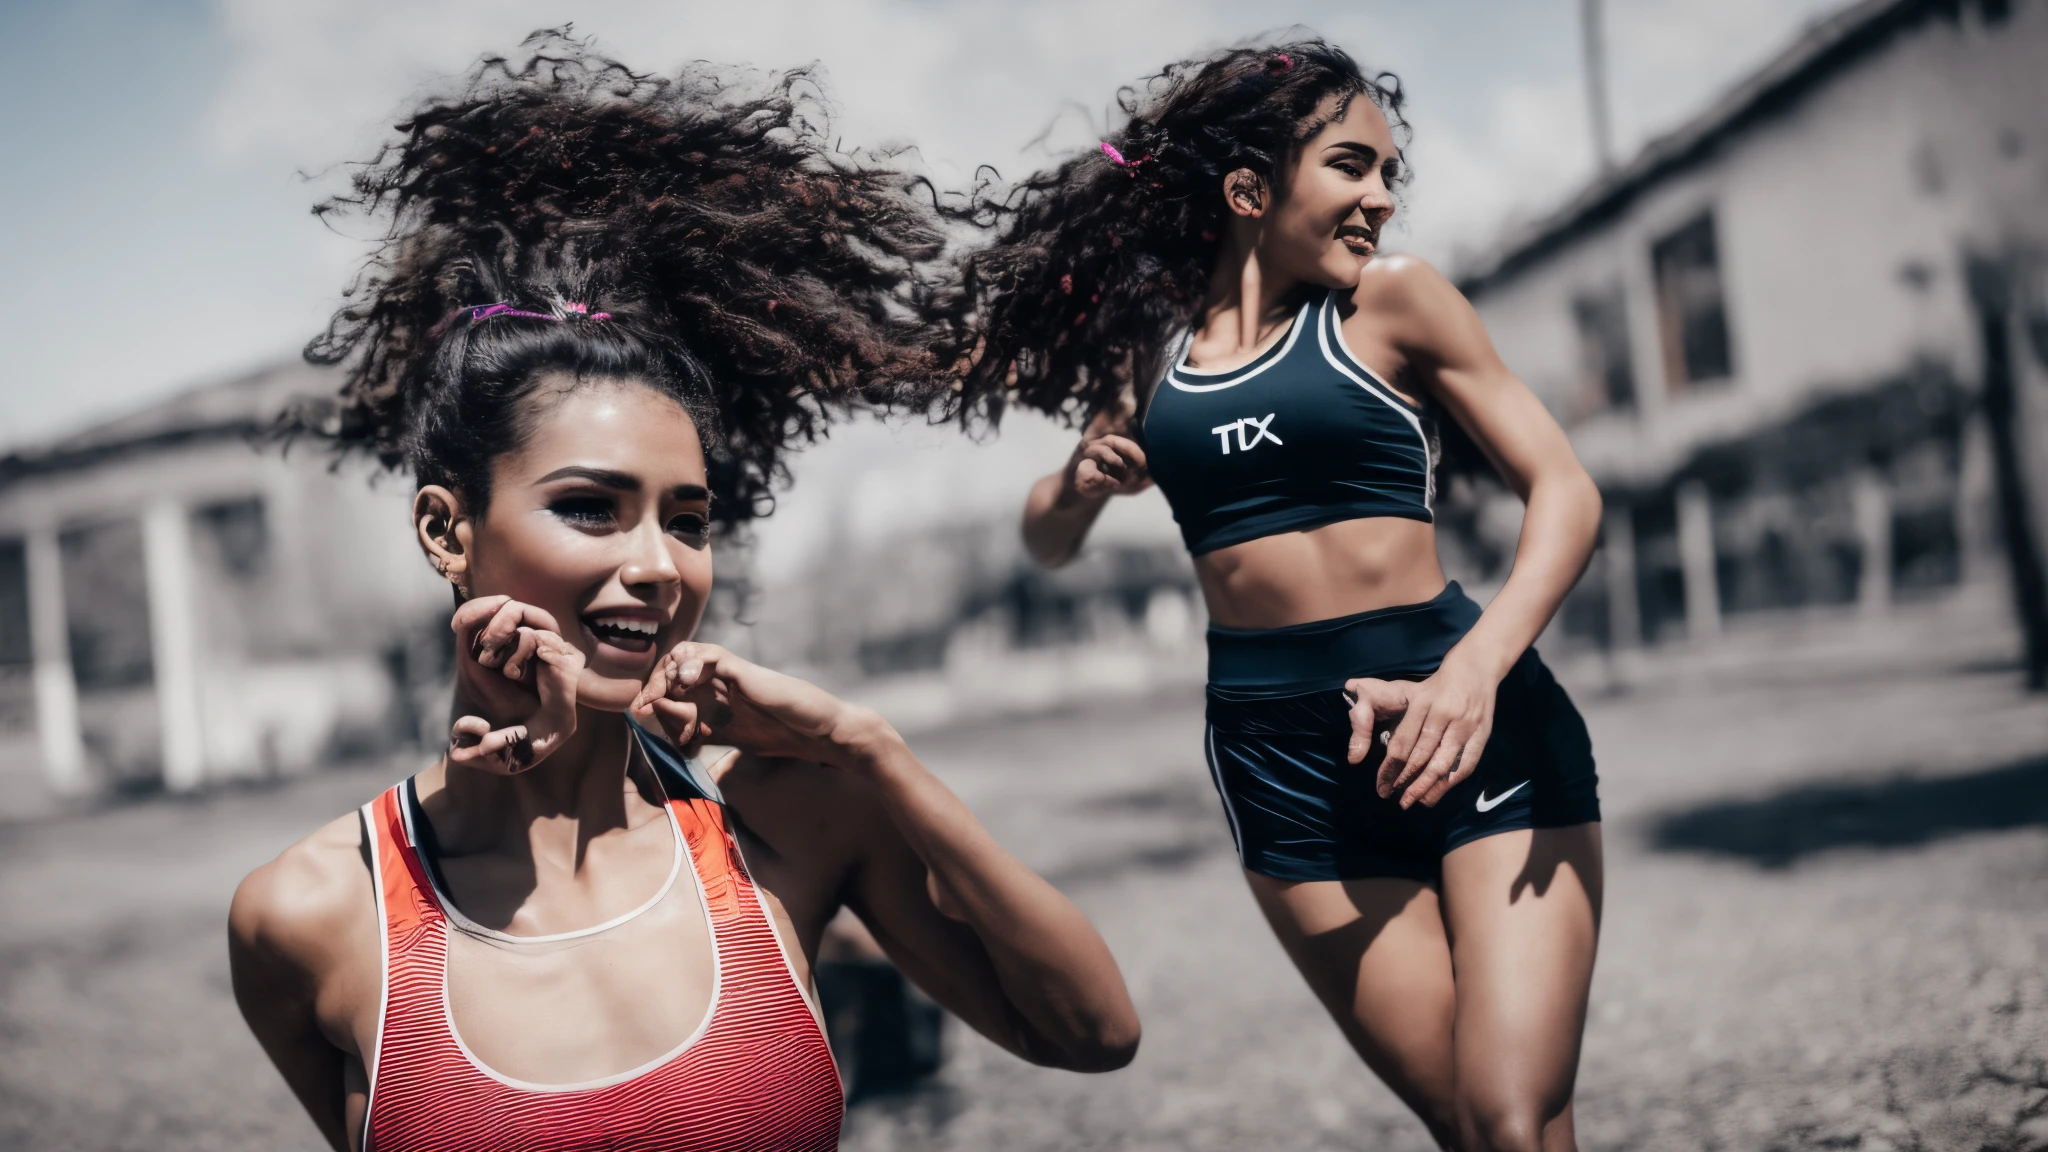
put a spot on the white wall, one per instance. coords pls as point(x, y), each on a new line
point(1818, 211)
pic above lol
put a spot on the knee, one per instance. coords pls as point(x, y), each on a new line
point(1501, 1125)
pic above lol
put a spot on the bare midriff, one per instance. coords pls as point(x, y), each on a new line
point(1321, 573)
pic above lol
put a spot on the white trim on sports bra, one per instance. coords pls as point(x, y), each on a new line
point(1372, 383)
point(1181, 368)
point(455, 918)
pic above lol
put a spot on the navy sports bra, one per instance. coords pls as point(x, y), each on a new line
point(1304, 435)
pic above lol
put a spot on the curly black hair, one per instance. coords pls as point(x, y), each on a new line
point(1095, 263)
point(767, 279)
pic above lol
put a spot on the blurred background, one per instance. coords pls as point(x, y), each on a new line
point(1779, 266)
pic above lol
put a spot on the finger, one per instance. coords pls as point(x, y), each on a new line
point(1468, 761)
point(1133, 456)
point(471, 615)
point(1106, 460)
point(497, 638)
point(468, 731)
point(1437, 771)
point(698, 664)
point(656, 686)
point(678, 719)
point(1372, 702)
point(1428, 743)
point(1394, 766)
point(558, 663)
point(523, 644)
point(501, 750)
point(1364, 719)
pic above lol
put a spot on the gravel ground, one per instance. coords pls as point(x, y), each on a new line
point(1826, 927)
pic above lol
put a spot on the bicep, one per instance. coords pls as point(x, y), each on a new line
point(1466, 374)
point(940, 955)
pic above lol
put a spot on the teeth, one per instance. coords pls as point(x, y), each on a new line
point(640, 627)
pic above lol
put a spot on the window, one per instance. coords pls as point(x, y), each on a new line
point(1691, 315)
point(236, 536)
point(1606, 380)
point(14, 637)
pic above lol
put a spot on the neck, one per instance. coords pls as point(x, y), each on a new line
point(551, 811)
point(1247, 297)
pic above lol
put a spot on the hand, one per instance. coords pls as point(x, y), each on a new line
point(515, 685)
point(701, 691)
point(1107, 463)
point(1447, 719)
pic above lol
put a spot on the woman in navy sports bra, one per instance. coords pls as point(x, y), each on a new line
point(606, 307)
point(1411, 793)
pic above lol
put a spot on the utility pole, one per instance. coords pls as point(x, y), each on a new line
point(1593, 38)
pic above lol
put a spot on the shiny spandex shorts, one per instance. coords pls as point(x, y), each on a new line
point(1279, 725)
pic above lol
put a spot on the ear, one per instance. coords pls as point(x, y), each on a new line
point(443, 527)
point(1246, 193)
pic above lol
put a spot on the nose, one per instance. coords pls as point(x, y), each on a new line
point(648, 559)
point(1377, 203)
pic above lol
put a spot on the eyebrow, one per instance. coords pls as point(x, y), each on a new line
point(1366, 150)
point(621, 481)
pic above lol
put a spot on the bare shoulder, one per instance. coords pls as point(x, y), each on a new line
point(1397, 284)
point(308, 904)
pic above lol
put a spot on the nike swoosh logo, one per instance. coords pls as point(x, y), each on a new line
point(1486, 805)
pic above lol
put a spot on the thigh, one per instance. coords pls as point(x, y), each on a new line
point(1523, 913)
point(1375, 953)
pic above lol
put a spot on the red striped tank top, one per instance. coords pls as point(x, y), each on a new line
point(759, 1075)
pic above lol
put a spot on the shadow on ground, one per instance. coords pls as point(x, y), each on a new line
point(1776, 831)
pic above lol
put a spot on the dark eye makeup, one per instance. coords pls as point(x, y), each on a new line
point(691, 528)
point(583, 511)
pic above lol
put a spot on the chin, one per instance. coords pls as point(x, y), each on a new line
point(605, 692)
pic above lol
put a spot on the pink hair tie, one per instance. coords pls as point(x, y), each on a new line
point(1286, 62)
point(486, 311)
point(1130, 167)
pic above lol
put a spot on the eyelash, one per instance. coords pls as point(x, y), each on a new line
point(694, 529)
point(588, 511)
point(592, 512)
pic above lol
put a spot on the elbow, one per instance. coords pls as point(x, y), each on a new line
point(1113, 1050)
point(1111, 1044)
point(1047, 553)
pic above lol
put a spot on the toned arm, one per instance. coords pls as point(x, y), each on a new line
point(1447, 718)
point(967, 922)
point(1062, 507)
point(1447, 348)
point(302, 940)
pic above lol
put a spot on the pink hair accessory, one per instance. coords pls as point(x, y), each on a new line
point(1130, 167)
point(486, 311)
point(1286, 61)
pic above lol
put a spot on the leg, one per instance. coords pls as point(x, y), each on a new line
point(1374, 952)
point(1523, 909)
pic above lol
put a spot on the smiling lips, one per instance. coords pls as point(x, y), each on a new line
point(632, 634)
point(1357, 239)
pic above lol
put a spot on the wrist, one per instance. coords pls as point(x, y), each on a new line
point(1477, 656)
point(863, 739)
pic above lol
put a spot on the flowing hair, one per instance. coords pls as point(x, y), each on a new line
point(1095, 263)
point(696, 231)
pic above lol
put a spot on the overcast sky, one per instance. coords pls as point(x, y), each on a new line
point(154, 229)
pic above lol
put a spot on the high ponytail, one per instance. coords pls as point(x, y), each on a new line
point(695, 231)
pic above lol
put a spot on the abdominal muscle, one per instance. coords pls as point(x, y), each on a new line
point(1321, 573)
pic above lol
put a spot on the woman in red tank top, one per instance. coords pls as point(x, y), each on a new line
point(606, 305)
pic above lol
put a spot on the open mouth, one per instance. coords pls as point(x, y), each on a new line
point(1360, 241)
point(629, 634)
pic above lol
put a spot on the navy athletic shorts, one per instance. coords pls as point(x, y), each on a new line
point(1279, 726)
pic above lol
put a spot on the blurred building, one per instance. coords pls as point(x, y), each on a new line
point(1775, 334)
point(181, 602)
